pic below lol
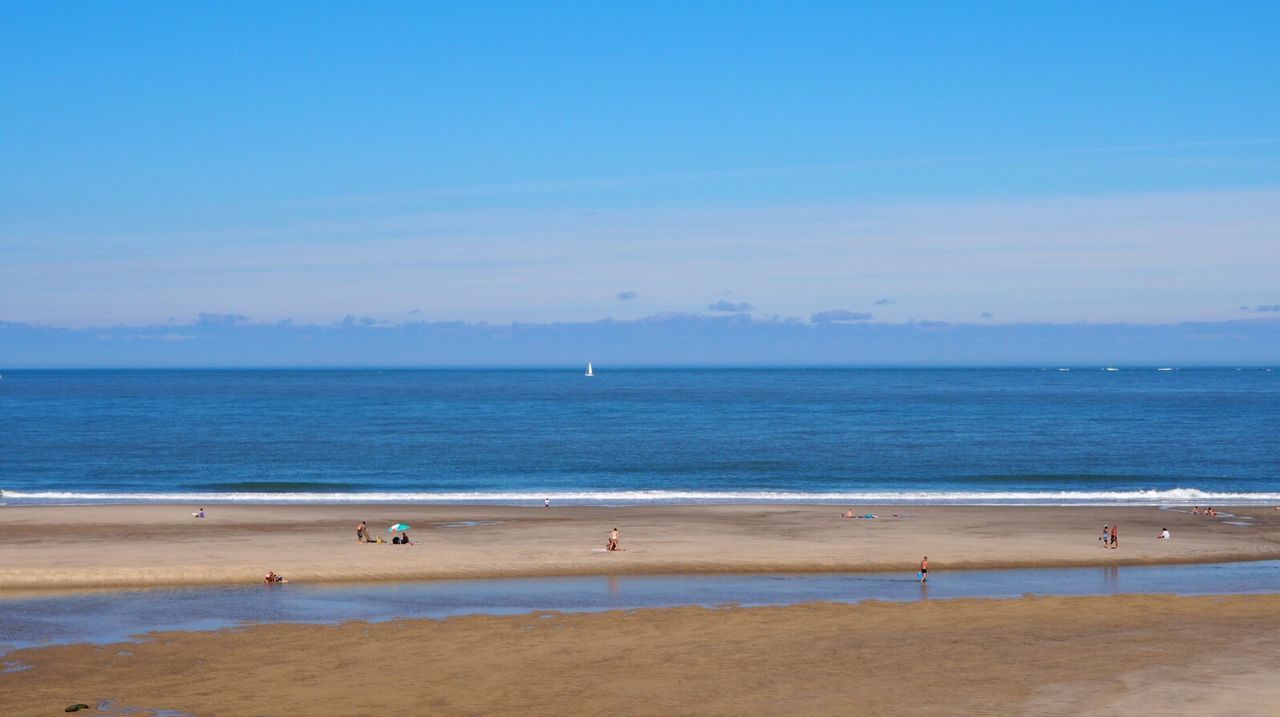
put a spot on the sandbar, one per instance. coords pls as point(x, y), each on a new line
point(125, 546)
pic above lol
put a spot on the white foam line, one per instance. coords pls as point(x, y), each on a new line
point(1174, 496)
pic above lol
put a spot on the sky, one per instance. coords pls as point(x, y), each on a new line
point(606, 165)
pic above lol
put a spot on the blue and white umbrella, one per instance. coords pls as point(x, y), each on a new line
point(398, 527)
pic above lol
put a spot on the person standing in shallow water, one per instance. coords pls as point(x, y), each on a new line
point(924, 569)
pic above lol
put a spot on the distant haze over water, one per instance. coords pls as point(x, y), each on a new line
point(1137, 435)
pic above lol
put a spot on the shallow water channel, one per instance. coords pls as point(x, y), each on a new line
point(118, 616)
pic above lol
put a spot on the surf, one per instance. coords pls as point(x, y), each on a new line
point(1152, 497)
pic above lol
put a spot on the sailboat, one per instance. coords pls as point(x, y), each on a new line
point(589, 371)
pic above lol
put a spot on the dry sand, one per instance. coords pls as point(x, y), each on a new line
point(63, 547)
point(1125, 655)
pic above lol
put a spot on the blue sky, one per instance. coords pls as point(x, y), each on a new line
point(987, 163)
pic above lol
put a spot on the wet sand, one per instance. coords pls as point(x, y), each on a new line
point(1136, 654)
point(70, 547)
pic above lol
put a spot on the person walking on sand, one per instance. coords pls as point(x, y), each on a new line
point(1115, 537)
point(924, 569)
point(362, 533)
point(1106, 536)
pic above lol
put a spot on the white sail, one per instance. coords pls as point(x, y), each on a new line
point(589, 372)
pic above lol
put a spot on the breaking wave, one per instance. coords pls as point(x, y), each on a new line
point(1172, 496)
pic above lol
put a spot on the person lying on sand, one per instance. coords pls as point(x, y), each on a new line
point(847, 514)
point(271, 578)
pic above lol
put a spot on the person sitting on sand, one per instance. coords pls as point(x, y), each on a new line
point(1195, 510)
point(395, 540)
point(272, 578)
point(198, 513)
point(847, 514)
point(612, 545)
point(404, 539)
point(1211, 512)
point(1164, 535)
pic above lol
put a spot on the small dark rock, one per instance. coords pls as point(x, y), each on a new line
point(77, 707)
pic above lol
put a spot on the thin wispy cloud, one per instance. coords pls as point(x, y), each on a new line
point(1049, 258)
point(208, 319)
point(839, 315)
point(730, 306)
point(626, 181)
point(626, 296)
point(353, 320)
point(170, 336)
point(884, 301)
point(669, 338)
point(1263, 308)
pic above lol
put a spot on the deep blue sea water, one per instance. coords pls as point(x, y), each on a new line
point(968, 435)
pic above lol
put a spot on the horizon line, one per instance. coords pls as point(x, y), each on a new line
point(1038, 366)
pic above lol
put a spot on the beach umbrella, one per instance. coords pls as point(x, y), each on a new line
point(397, 526)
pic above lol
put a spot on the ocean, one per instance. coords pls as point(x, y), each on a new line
point(972, 436)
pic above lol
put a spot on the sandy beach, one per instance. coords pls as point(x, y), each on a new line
point(1135, 654)
point(78, 547)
